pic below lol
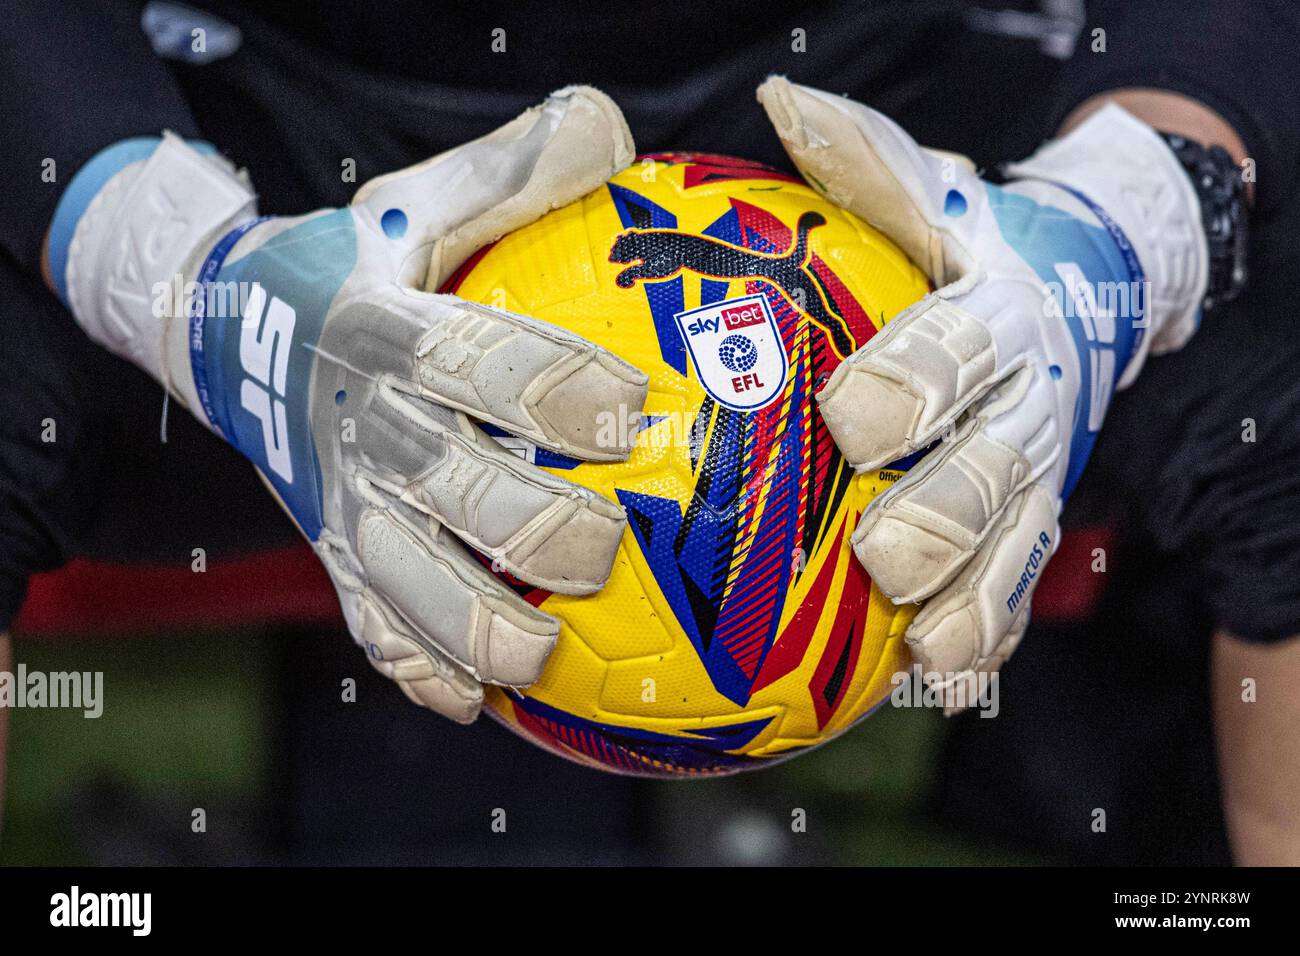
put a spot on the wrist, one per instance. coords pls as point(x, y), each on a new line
point(1170, 112)
point(85, 192)
point(1132, 182)
point(1221, 195)
point(128, 235)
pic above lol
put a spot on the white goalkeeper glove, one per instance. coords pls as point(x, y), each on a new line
point(313, 348)
point(1051, 291)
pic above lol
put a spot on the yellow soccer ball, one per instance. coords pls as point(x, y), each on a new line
point(737, 628)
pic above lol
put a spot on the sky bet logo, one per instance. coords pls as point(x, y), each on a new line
point(737, 351)
point(742, 315)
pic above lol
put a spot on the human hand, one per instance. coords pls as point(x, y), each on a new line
point(1051, 291)
point(313, 347)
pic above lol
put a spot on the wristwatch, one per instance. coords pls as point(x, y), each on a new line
point(1222, 193)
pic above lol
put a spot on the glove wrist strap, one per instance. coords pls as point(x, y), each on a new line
point(1124, 167)
point(137, 240)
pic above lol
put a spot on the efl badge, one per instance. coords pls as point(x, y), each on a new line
point(737, 351)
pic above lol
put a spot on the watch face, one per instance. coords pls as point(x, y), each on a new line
point(1221, 189)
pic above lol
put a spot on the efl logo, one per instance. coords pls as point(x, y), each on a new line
point(737, 351)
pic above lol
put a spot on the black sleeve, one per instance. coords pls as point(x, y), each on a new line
point(1206, 446)
point(77, 75)
point(1241, 58)
point(41, 359)
point(83, 470)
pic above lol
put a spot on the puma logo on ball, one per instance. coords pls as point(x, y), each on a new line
point(657, 254)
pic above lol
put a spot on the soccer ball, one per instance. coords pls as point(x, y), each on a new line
point(737, 627)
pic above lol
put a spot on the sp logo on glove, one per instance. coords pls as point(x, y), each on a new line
point(264, 341)
point(1051, 291)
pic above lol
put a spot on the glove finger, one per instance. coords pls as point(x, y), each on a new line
point(931, 364)
point(916, 537)
point(962, 627)
point(530, 378)
point(965, 690)
point(426, 675)
point(863, 162)
point(450, 600)
point(542, 529)
point(472, 195)
point(896, 394)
